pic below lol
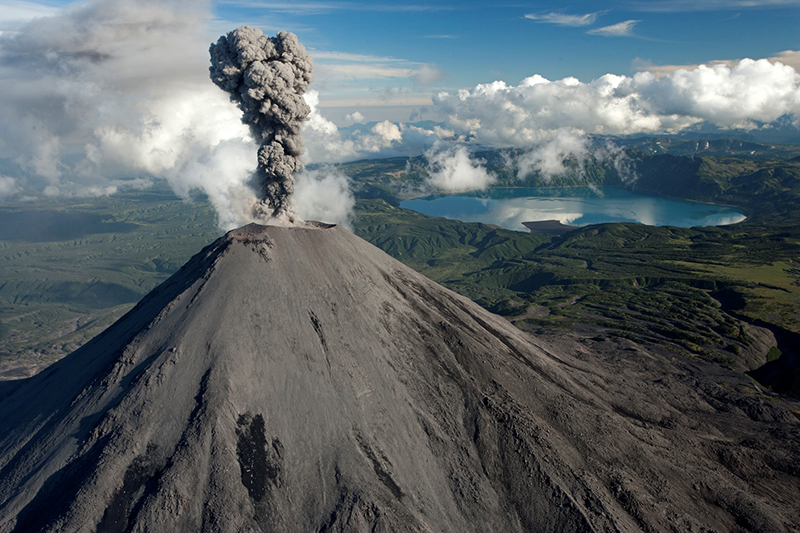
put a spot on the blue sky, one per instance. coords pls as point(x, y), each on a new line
point(479, 42)
point(369, 52)
point(475, 42)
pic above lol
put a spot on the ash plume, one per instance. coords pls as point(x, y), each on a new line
point(266, 78)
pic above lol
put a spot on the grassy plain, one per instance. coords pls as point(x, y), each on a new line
point(72, 267)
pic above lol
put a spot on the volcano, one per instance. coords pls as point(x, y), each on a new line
point(299, 379)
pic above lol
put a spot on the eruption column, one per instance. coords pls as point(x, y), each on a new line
point(266, 77)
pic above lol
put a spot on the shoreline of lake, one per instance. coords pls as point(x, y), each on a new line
point(513, 207)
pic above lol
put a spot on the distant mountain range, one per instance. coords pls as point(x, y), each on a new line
point(775, 140)
point(710, 146)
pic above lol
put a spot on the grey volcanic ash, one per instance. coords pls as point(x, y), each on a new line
point(266, 77)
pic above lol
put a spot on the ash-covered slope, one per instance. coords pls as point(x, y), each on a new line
point(299, 379)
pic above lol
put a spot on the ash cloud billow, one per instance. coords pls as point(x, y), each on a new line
point(266, 78)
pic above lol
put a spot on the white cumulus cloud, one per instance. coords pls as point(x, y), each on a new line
point(742, 96)
point(325, 144)
point(452, 168)
point(355, 118)
point(387, 132)
point(729, 97)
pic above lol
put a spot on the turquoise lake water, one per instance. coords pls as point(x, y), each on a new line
point(575, 206)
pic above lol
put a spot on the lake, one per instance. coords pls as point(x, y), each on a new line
point(574, 206)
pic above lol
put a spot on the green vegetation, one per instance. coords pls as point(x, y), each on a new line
point(653, 283)
point(72, 267)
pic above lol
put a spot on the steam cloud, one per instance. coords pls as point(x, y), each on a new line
point(325, 194)
point(266, 77)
